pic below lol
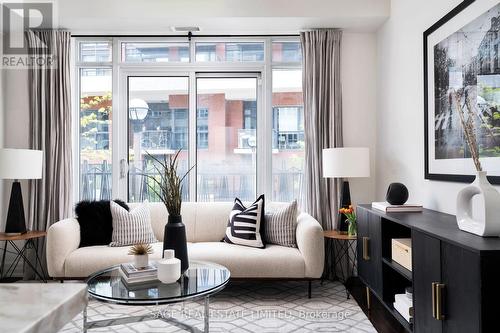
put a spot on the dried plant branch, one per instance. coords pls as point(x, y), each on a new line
point(170, 183)
point(140, 249)
point(468, 128)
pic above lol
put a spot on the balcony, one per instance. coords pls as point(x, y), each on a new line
point(282, 140)
point(213, 185)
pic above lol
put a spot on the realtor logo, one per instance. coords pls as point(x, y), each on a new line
point(17, 19)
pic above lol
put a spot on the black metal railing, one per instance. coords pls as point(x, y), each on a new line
point(96, 185)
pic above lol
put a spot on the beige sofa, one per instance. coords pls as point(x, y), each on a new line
point(205, 227)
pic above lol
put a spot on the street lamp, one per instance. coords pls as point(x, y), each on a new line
point(138, 109)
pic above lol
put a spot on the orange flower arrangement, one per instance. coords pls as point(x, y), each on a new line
point(351, 218)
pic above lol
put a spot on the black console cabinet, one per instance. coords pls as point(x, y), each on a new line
point(454, 274)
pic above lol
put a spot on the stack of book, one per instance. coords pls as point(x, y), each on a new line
point(388, 208)
point(404, 305)
point(132, 275)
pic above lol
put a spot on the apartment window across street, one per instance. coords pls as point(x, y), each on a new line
point(233, 107)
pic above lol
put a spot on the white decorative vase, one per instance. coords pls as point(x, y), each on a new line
point(490, 226)
point(169, 268)
point(141, 261)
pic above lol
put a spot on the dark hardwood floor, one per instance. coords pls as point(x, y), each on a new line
point(381, 319)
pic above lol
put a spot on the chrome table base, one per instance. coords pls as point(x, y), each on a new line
point(155, 316)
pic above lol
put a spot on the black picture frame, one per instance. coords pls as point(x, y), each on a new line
point(463, 178)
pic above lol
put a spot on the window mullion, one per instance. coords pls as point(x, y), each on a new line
point(267, 123)
point(119, 128)
point(192, 137)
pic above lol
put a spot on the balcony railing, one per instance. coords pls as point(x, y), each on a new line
point(164, 139)
point(96, 185)
point(282, 140)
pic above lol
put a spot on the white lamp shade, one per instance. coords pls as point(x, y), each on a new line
point(20, 164)
point(346, 162)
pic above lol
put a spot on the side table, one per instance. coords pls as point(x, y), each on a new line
point(343, 248)
point(30, 242)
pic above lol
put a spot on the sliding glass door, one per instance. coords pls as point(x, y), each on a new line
point(217, 133)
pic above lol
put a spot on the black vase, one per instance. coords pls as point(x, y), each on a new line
point(174, 238)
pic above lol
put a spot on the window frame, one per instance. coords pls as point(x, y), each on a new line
point(192, 69)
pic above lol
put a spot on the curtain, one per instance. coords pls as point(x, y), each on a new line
point(50, 129)
point(322, 123)
point(322, 119)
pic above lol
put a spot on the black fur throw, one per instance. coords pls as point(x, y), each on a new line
point(96, 222)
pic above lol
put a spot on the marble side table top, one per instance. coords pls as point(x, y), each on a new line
point(40, 307)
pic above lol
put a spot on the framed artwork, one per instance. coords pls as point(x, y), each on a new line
point(462, 85)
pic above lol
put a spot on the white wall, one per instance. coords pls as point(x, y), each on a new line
point(16, 125)
point(400, 107)
point(359, 105)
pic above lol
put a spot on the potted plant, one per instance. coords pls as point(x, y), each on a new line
point(141, 254)
point(169, 190)
point(349, 213)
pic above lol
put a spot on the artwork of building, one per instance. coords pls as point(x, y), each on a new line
point(475, 77)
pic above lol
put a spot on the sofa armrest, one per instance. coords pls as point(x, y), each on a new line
point(310, 242)
point(63, 237)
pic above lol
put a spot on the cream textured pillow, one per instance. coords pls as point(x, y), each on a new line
point(132, 227)
point(281, 226)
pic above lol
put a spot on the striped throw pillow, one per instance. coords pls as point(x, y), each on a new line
point(281, 226)
point(244, 226)
point(132, 227)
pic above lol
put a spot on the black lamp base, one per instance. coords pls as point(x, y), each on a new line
point(16, 222)
point(345, 201)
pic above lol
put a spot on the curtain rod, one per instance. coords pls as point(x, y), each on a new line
point(189, 35)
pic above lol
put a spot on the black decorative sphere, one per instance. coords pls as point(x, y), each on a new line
point(397, 194)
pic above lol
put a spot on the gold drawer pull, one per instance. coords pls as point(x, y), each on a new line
point(434, 300)
point(366, 255)
point(437, 300)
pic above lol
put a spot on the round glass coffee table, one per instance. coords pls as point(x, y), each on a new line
point(201, 280)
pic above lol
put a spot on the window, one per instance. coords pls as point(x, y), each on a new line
point(287, 52)
point(202, 128)
point(288, 135)
point(229, 52)
point(95, 136)
point(143, 98)
point(158, 128)
point(227, 169)
point(95, 51)
point(155, 52)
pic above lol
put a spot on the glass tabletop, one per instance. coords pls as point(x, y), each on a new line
point(200, 279)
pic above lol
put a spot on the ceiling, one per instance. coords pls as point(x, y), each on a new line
point(219, 16)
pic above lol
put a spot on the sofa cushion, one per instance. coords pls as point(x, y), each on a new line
point(245, 224)
point(205, 221)
point(281, 225)
point(96, 221)
point(247, 262)
point(85, 261)
point(242, 261)
point(132, 227)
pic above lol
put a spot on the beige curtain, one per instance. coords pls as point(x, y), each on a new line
point(322, 124)
point(50, 129)
point(322, 119)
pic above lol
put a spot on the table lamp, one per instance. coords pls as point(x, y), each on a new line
point(346, 163)
point(18, 164)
